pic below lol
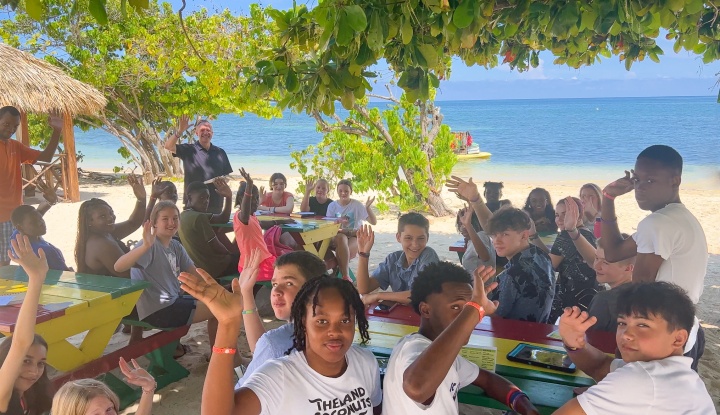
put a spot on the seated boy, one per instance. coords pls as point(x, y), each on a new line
point(653, 376)
point(527, 285)
point(197, 234)
point(449, 309)
point(400, 268)
point(29, 221)
point(604, 305)
point(292, 270)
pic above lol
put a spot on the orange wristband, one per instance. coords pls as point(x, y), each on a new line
point(223, 350)
point(478, 307)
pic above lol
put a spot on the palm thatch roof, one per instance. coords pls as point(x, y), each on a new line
point(35, 86)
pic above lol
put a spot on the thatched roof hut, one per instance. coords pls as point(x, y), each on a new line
point(35, 86)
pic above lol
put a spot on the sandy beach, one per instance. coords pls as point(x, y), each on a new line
point(702, 198)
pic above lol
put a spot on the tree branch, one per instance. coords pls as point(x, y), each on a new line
point(182, 24)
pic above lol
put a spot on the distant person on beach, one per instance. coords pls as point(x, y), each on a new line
point(399, 269)
point(202, 161)
point(199, 237)
point(351, 214)
point(29, 222)
point(540, 208)
point(614, 274)
point(669, 243)
point(319, 203)
point(13, 154)
point(591, 197)
point(479, 249)
point(526, 286)
point(493, 195)
point(277, 200)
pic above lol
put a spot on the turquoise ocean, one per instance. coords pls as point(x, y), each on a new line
point(553, 139)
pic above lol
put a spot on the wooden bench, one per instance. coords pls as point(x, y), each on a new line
point(158, 348)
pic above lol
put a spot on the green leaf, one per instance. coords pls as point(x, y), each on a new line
point(98, 12)
point(34, 9)
point(464, 14)
point(375, 38)
point(430, 54)
point(345, 33)
point(291, 81)
point(356, 18)
point(407, 31)
point(694, 6)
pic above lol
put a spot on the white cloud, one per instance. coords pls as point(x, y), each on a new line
point(534, 73)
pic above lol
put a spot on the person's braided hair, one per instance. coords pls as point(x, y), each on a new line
point(83, 233)
point(308, 295)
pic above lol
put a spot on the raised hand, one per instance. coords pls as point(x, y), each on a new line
point(573, 325)
point(50, 195)
point(482, 275)
point(466, 190)
point(148, 234)
point(137, 186)
point(222, 188)
point(261, 191)
point(55, 121)
point(137, 376)
point(309, 186)
point(621, 186)
point(248, 180)
point(157, 188)
point(572, 214)
point(226, 306)
point(248, 276)
point(35, 266)
point(369, 202)
point(365, 238)
point(466, 218)
point(183, 124)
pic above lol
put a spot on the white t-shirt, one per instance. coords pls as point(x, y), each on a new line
point(676, 235)
point(471, 261)
point(660, 387)
point(355, 211)
point(288, 386)
point(395, 401)
point(272, 344)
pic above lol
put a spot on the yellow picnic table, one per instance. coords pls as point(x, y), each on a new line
point(70, 304)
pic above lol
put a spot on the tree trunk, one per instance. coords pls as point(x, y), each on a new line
point(437, 205)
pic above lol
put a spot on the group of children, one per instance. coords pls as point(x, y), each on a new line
point(310, 365)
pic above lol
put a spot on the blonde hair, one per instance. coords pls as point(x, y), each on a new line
point(74, 396)
point(160, 206)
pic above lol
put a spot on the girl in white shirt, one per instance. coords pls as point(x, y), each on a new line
point(324, 373)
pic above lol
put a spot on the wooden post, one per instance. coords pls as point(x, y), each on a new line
point(72, 191)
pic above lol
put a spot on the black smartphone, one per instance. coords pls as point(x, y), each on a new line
point(385, 307)
point(542, 357)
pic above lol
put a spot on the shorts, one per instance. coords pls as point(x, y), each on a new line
point(178, 314)
point(6, 230)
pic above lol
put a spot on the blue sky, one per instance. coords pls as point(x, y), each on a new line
point(681, 74)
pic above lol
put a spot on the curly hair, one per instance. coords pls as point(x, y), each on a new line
point(39, 396)
point(308, 295)
point(549, 209)
point(432, 277)
point(83, 233)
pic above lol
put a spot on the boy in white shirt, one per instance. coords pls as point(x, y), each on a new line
point(669, 243)
point(449, 310)
point(653, 376)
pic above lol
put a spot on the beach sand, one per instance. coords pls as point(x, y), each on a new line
point(702, 198)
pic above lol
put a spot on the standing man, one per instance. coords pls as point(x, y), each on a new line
point(669, 243)
point(12, 155)
point(202, 161)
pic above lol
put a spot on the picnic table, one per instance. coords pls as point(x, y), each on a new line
point(548, 389)
point(70, 304)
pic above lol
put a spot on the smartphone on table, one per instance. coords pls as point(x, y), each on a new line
point(385, 307)
point(542, 357)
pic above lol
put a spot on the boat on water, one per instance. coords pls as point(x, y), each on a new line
point(465, 149)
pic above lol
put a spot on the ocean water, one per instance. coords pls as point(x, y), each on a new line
point(553, 138)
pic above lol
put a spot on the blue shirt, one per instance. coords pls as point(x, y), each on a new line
point(55, 258)
point(526, 287)
point(392, 272)
point(273, 344)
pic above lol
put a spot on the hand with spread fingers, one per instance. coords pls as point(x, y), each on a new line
point(369, 202)
point(572, 214)
point(482, 275)
point(222, 188)
point(226, 306)
point(35, 266)
point(573, 326)
point(183, 124)
point(245, 175)
point(137, 186)
point(137, 376)
point(620, 186)
point(248, 276)
point(365, 239)
point(148, 234)
point(55, 121)
point(158, 187)
point(466, 190)
point(310, 186)
point(466, 218)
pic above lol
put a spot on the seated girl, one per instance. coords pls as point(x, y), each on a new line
point(351, 214)
point(292, 271)
point(576, 284)
point(539, 206)
point(324, 369)
point(24, 385)
point(91, 397)
point(277, 200)
point(159, 259)
point(319, 203)
point(591, 197)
